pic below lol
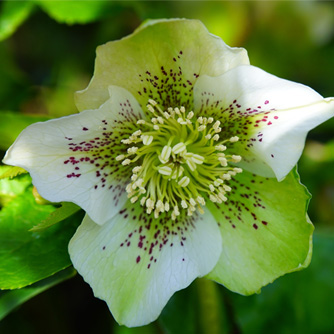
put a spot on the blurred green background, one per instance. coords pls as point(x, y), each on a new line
point(47, 52)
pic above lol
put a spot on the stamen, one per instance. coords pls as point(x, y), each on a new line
point(180, 159)
point(184, 181)
point(178, 148)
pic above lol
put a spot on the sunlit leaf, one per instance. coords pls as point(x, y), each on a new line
point(13, 14)
point(12, 172)
point(27, 257)
point(10, 188)
point(10, 300)
point(72, 12)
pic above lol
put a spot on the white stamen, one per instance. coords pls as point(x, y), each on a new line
point(191, 164)
point(165, 170)
point(208, 136)
point(236, 158)
point(184, 181)
point(165, 154)
point(152, 102)
point(226, 187)
point(198, 159)
point(201, 127)
point(220, 147)
point(132, 150)
point(234, 139)
point(190, 115)
point(126, 162)
point(178, 148)
point(147, 140)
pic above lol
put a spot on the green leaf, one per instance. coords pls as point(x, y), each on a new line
point(9, 300)
point(27, 257)
point(13, 14)
point(298, 303)
point(9, 189)
point(72, 12)
point(12, 172)
point(12, 123)
point(65, 211)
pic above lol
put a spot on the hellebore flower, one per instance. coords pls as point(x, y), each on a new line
point(182, 157)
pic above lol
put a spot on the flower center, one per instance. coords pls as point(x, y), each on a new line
point(180, 162)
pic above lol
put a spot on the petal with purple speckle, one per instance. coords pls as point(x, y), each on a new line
point(135, 262)
point(265, 231)
point(72, 159)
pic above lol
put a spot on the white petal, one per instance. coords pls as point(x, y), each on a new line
point(73, 158)
point(135, 263)
point(271, 116)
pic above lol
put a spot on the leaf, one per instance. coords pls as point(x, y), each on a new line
point(13, 14)
point(66, 210)
point(298, 303)
point(12, 172)
point(9, 300)
point(72, 12)
point(27, 257)
point(12, 123)
point(9, 189)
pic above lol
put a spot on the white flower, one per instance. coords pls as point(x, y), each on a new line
point(175, 158)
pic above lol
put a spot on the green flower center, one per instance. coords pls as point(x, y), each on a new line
point(180, 162)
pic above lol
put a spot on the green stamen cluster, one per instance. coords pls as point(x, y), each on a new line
point(179, 161)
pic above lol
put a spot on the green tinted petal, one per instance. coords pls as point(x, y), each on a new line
point(135, 263)
point(161, 60)
point(266, 232)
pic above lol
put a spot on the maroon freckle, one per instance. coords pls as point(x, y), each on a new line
point(266, 102)
point(255, 226)
point(276, 117)
point(264, 222)
point(138, 259)
point(272, 155)
point(269, 123)
point(104, 247)
point(84, 129)
point(182, 259)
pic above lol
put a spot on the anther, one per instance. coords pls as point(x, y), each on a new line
point(178, 148)
point(184, 181)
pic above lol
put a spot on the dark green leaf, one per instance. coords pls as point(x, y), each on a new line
point(9, 300)
point(301, 302)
